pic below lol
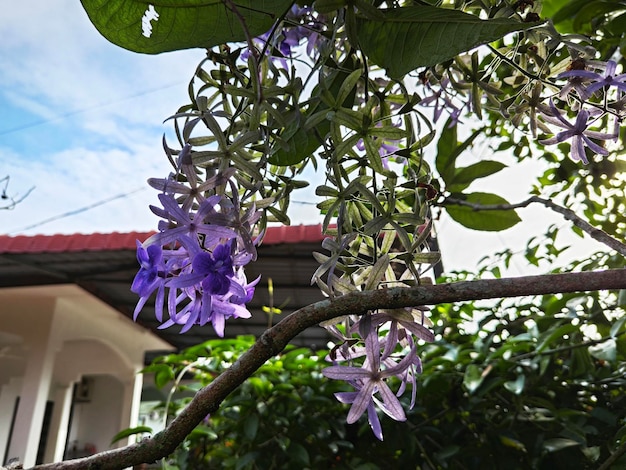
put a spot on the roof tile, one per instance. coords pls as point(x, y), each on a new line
point(121, 241)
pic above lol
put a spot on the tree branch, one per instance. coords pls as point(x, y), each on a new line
point(274, 340)
point(568, 214)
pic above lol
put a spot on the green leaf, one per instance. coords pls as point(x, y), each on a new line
point(473, 378)
point(464, 176)
point(251, 426)
point(449, 149)
point(513, 443)
point(606, 351)
point(130, 432)
point(422, 36)
point(550, 336)
point(486, 220)
point(300, 140)
point(328, 6)
point(617, 24)
point(298, 454)
point(163, 375)
point(558, 443)
point(616, 328)
point(202, 431)
point(180, 24)
point(592, 10)
point(246, 459)
point(376, 273)
point(445, 162)
point(447, 452)
point(516, 386)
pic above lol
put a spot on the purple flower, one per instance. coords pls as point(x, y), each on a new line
point(217, 267)
point(181, 223)
point(372, 416)
point(599, 81)
point(401, 318)
point(578, 132)
point(212, 271)
point(247, 287)
point(441, 100)
point(150, 276)
point(191, 189)
point(370, 380)
point(204, 308)
point(150, 261)
point(195, 262)
point(300, 24)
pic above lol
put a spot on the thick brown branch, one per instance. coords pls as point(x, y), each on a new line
point(568, 214)
point(276, 338)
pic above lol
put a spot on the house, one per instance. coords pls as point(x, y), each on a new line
point(70, 354)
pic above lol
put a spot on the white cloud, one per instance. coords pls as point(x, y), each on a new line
point(103, 109)
point(54, 57)
point(79, 177)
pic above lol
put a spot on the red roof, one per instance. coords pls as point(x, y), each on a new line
point(122, 241)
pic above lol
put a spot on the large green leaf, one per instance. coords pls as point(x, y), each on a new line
point(445, 161)
point(485, 220)
point(130, 432)
point(169, 25)
point(421, 36)
point(472, 378)
point(449, 149)
point(466, 175)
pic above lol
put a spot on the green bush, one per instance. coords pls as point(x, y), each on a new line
point(535, 383)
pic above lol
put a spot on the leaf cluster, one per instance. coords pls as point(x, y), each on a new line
point(535, 383)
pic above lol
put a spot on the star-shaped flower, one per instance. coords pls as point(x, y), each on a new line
point(599, 81)
point(578, 132)
point(150, 276)
point(370, 380)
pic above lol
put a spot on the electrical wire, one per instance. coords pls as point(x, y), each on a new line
point(84, 110)
point(77, 211)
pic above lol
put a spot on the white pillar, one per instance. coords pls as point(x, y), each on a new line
point(59, 423)
point(8, 396)
point(130, 404)
point(35, 386)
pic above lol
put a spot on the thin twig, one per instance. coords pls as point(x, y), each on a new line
point(274, 340)
point(595, 233)
point(621, 450)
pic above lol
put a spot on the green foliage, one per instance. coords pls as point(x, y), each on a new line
point(130, 432)
point(487, 220)
point(181, 24)
point(403, 39)
point(530, 384)
point(308, 128)
point(535, 383)
point(284, 416)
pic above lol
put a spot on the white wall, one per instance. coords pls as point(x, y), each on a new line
point(97, 421)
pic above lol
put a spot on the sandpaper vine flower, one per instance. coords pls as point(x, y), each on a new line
point(195, 261)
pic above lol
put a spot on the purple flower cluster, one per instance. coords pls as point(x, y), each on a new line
point(596, 81)
point(195, 261)
point(393, 356)
point(586, 84)
point(300, 24)
point(578, 132)
point(440, 98)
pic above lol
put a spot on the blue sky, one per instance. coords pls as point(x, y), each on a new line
point(81, 120)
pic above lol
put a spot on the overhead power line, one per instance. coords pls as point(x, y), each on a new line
point(77, 211)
